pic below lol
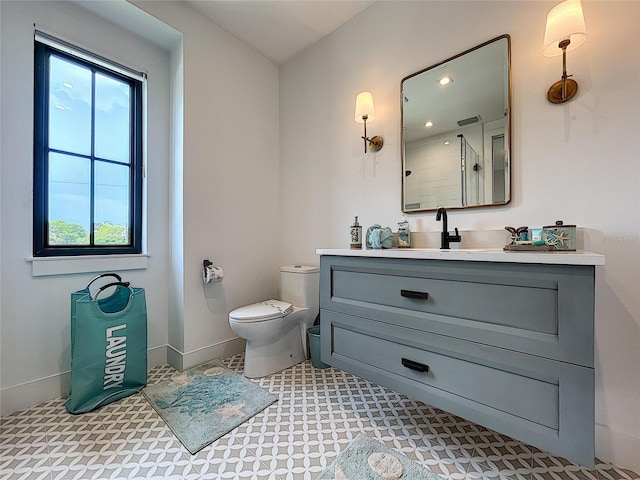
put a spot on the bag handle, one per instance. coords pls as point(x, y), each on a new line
point(97, 277)
point(112, 284)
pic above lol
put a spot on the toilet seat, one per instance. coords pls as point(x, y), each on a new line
point(257, 312)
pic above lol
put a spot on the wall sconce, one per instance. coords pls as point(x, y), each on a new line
point(565, 31)
point(365, 111)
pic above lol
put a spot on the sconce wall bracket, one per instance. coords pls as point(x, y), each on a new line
point(375, 143)
point(570, 87)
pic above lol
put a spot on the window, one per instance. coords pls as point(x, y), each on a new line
point(88, 164)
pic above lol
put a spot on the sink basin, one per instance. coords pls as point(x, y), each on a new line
point(452, 250)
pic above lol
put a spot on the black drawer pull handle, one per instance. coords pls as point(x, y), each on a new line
point(420, 367)
point(412, 294)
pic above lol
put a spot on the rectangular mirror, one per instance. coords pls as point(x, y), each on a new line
point(456, 131)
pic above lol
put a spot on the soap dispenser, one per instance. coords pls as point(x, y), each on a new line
point(356, 235)
point(404, 235)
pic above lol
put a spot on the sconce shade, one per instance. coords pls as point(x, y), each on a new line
point(565, 20)
point(364, 107)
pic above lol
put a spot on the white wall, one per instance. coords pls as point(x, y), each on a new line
point(35, 353)
point(230, 183)
point(577, 162)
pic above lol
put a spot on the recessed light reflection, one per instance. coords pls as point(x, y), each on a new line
point(59, 106)
point(446, 80)
point(67, 84)
point(447, 142)
point(429, 124)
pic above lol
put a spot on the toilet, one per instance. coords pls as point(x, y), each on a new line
point(275, 331)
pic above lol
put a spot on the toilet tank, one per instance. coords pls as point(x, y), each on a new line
point(300, 285)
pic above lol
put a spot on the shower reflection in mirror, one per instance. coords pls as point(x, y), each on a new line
point(451, 171)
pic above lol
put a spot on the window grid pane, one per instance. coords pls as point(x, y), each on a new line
point(70, 105)
point(69, 199)
point(112, 119)
point(111, 204)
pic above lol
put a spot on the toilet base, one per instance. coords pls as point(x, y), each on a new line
point(264, 358)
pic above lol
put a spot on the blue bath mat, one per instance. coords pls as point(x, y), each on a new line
point(369, 459)
point(202, 404)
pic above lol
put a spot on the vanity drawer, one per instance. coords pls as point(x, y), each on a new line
point(544, 402)
point(541, 310)
point(524, 397)
point(470, 297)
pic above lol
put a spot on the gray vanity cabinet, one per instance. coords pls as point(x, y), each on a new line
point(506, 345)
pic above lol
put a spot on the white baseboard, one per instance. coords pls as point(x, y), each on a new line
point(183, 361)
point(26, 395)
point(157, 356)
point(618, 448)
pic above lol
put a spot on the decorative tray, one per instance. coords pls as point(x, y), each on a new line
point(529, 248)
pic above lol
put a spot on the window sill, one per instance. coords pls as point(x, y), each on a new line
point(43, 266)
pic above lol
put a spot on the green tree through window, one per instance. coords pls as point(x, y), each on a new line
point(65, 233)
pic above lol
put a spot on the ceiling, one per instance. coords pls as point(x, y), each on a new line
point(279, 29)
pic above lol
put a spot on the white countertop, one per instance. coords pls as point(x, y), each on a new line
point(474, 255)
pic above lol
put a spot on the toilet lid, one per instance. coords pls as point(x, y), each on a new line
point(266, 310)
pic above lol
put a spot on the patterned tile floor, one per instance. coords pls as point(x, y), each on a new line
point(318, 414)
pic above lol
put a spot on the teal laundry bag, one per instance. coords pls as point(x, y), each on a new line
point(108, 346)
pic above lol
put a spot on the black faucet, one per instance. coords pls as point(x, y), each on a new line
point(445, 237)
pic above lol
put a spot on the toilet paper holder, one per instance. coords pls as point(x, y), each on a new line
point(211, 273)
